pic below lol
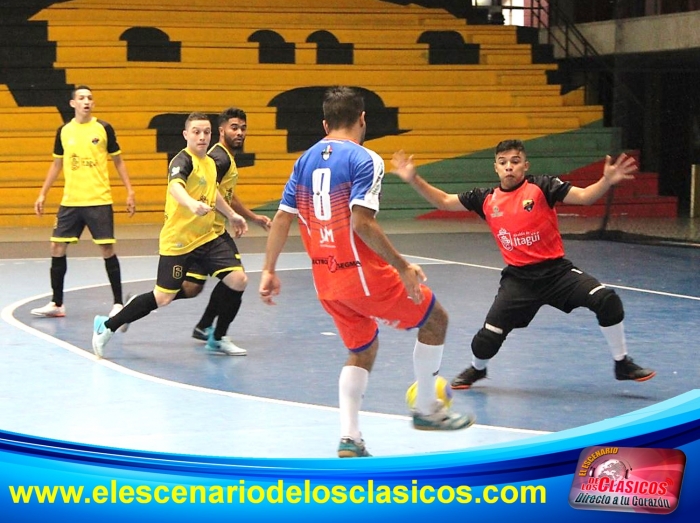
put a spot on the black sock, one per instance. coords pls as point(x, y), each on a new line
point(207, 319)
point(115, 277)
point(228, 308)
point(142, 305)
point(59, 266)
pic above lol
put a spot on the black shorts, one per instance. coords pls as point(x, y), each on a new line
point(71, 222)
point(215, 258)
point(561, 286)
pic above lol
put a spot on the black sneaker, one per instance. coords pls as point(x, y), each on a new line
point(201, 334)
point(467, 378)
point(626, 369)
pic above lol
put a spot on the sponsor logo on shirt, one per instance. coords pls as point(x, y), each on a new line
point(511, 241)
point(334, 265)
point(497, 213)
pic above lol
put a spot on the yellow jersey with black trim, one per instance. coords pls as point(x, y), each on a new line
point(183, 230)
point(227, 176)
point(84, 147)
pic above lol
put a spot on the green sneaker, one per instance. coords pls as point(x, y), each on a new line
point(349, 448)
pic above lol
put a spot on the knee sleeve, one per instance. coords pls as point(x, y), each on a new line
point(607, 306)
point(487, 343)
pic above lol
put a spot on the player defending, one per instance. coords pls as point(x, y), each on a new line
point(224, 302)
point(359, 276)
point(521, 215)
point(85, 143)
point(188, 235)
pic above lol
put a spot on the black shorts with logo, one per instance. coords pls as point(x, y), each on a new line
point(71, 222)
point(215, 258)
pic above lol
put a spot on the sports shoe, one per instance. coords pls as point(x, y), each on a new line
point(442, 419)
point(349, 448)
point(202, 334)
point(224, 346)
point(116, 309)
point(100, 335)
point(627, 369)
point(129, 298)
point(467, 377)
point(50, 310)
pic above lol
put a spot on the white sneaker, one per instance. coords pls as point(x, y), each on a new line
point(225, 346)
point(116, 308)
point(50, 310)
point(100, 335)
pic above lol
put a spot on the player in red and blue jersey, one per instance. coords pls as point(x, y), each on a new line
point(521, 215)
point(360, 278)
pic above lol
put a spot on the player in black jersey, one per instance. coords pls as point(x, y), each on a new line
point(520, 213)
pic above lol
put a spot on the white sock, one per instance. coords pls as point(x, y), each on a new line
point(426, 364)
point(352, 385)
point(479, 364)
point(615, 336)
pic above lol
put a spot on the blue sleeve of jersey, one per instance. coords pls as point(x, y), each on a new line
point(289, 195)
point(367, 176)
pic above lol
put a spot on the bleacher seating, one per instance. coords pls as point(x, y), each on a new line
point(443, 90)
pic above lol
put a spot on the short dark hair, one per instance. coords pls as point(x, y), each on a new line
point(78, 88)
point(196, 116)
point(342, 107)
point(231, 112)
point(510, 145)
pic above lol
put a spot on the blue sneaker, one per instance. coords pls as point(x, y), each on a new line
point(100, 335)
point(349, 448)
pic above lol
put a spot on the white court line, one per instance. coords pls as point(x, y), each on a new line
point(7, 316)
point(635, 289)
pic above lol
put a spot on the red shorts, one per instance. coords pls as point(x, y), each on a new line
point(357, 319)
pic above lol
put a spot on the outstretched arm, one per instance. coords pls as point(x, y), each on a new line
point(613, 173)
point(367, 228)
point(405, 169)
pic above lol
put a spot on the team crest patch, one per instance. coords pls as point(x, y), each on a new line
point(528, 205)
point(327, 151)
point(95, 141)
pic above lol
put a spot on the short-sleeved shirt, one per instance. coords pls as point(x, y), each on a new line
point(84, 147)
point(227, 177)
point(183, 231)
point(522, 220)
point(327, 181)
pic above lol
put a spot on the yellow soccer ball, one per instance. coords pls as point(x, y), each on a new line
point(442, 388)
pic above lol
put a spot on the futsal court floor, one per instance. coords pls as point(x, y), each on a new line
point(158, 389)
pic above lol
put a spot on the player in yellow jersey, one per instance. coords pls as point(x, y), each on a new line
point(224, 302)
point(80, 152)
point(188, 235)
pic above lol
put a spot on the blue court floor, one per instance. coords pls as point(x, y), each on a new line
point(158, 389)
